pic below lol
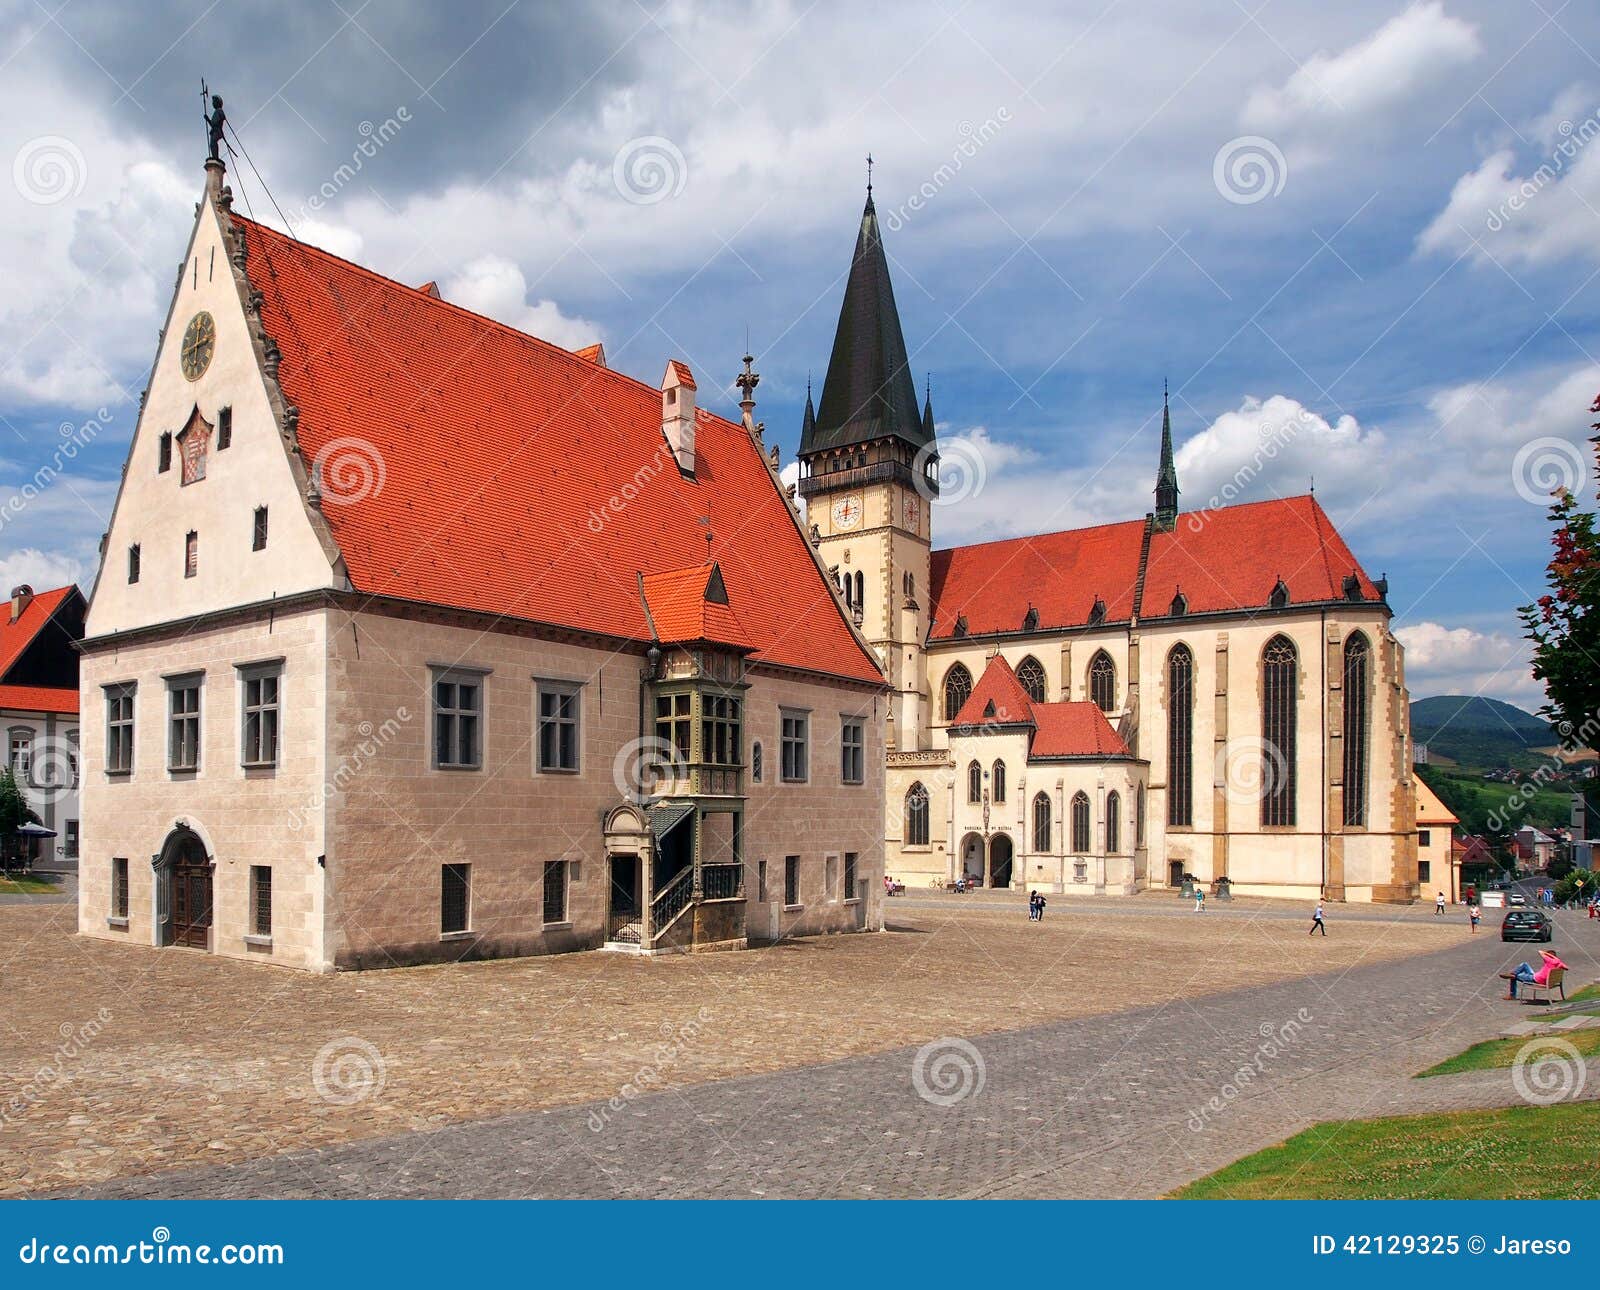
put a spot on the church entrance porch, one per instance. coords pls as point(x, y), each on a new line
point(972, 860)
point(1000, 853)
point(183, 891)
point(625, 906)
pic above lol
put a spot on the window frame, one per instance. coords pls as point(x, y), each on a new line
point(258, 532)
point(916, 808)
point(794, 762)
point(134, 558)
point(1113, 823)
point(1180, 737)
point(997, 780)
point(1356, 729)
point(1280, 719)
point(119, 727)
point(791, 883)
point(1029, 669)
point(260, 885)
point(956, 689)
point(555, 723)
point(852, 750)
point(1042, 824)
point(452, 715)
point(177, 721)
point(118, 916)
point(1080, 812)
point(1102, 681)
point(974, 781)
point(850, 869)
point(191, 554)
point(560, 889)
point(256, 674)
point(461, 872)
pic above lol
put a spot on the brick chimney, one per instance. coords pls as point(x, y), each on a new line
point(21, 598)
point(678, 413)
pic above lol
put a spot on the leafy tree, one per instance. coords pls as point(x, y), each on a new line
point(14, 813)
point(1579, 884)
point(1564, 623)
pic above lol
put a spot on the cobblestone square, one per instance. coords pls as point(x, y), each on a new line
point(127, 1060)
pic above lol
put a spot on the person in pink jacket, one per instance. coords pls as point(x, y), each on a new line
point(1526, 973)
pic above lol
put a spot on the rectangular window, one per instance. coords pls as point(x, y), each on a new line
point(261, 899)
point(165, 462)
point(830, 875)
point(791, 880)
point(133, 563)
point(558, 725)
point(258, 734)
point(719, 730)
point(119, 888)
point(258, 540)
point(69, 842)
point(850, 875)
point(455, 897)
point(796, 756)
point(852, 751)
point(224, 428)
point(1424, 870)
point(1424, 838)
point(119, 729)
point(191, 554)
point(183, 729)
point(457, 720)
point(672, 724)
point(21, 754)
point(761, 881)
point(555, 891)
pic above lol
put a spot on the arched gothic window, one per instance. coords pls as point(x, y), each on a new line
point(1082, 833)
point(1357, 686)
point(916, 816)
point(1138, 818)
point(1041, 823)
point(957, 690)
point(999, 781)
point(1113, 823)
point(974, 782)
point(1030, 675)
point(1180, 736)
point(1103, 682)
point(1279, 699)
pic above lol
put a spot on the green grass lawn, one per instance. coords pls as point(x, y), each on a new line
point(1498, 1054)
point(1515, 1153)
point(25, 886)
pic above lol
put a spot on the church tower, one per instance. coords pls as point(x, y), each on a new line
point(868, 471)
point(1166, 473)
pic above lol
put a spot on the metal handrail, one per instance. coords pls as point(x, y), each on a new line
point(672, 900)
point(722, 881)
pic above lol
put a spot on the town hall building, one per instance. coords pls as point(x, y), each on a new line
point(416, 638)
point(1188, 695)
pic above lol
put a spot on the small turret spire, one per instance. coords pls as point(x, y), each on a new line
point(1167, 473)
point(927, 408)
point(808, 427)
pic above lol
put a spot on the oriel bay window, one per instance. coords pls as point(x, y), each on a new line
point(183, 724)
point(674, 728)
point(457, 719)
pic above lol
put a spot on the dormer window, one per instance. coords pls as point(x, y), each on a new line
point(1030, 620)
point(1280, 595)
point(1352, 587)
point(1180, 605)
point(961, 624)
point(1097, 612)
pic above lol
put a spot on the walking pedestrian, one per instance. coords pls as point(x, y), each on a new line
point(1033, 907)
point(1039, 914)
point(1199, 900)
point(1474, 914)
point(1316, 922)
point(1438, 905)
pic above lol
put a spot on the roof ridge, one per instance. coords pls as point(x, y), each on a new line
point(414, 292)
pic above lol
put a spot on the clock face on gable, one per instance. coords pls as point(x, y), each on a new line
point(199, 344)
point(847, 512)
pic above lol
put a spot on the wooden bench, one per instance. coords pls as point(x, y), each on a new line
point(1526, 989)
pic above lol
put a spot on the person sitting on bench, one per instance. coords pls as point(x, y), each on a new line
point(1526, 973)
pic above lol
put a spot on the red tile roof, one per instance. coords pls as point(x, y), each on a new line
point(16, 636)
point(38, 698)
point(1225, 559)
point(509, 476)
point(595, 353)
point(997, 699)
point(684, 608)
point(1066, 729)
point(1076, 729)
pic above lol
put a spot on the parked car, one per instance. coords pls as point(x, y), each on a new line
point(1526, 925)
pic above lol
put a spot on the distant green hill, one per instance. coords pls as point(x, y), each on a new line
point(1479, 733)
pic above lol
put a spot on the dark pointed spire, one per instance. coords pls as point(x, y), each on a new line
point(808, 427)
point(927, 412)
point(1167, 475)
point(869, 392)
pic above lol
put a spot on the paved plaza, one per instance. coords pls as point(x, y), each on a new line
point(965, 1052)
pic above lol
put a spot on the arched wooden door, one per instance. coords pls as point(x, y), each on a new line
point(188, 890)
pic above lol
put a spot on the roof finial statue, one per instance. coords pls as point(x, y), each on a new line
point(747, 381)
point(214, 123)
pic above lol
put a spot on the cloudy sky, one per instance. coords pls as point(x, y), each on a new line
point(1359, 241)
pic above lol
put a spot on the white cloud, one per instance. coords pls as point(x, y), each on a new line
point(1414, 51)
point(41, 570)
point(1462, 660)
point(495, 287)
